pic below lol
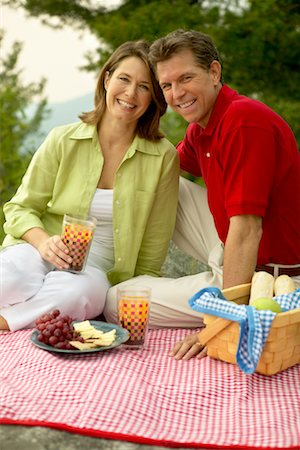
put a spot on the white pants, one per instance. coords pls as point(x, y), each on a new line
point(196, 235)
point(30, 288)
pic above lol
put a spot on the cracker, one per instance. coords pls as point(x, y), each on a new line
point(83, 326)
point(82, 345)
point(93, 338)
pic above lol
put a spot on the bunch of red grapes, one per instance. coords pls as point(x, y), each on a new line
point(57, 330)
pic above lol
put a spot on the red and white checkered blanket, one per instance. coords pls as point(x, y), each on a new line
point(148, 397)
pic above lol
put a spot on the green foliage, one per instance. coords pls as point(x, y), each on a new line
point(146, 20)
point(263, 56)
point(258, 40)
point(16, 126)
point(150, 19)
point(173, 126)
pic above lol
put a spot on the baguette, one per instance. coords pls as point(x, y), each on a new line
point(283, 285)
point(262, 285)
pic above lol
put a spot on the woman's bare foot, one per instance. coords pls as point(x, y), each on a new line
point(3, 324)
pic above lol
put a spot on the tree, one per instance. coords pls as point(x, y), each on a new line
point(17, 125)
point(258, 39)
point(262, 57)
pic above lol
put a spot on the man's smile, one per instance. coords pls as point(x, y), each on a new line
point(186, 104)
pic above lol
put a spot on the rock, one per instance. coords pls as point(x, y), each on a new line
point(179, 264)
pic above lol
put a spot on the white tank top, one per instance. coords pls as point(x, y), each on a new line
point(101, 253)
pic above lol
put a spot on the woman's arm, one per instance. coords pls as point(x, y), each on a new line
point(26, 207)
point(24, 211)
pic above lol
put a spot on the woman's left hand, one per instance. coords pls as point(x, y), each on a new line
point(188, 348)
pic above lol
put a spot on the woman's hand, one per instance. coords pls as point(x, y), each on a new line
point(55, 252)
point(188, 348)
point(51, 248)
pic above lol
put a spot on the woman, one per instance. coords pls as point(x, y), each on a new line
point(114, 165)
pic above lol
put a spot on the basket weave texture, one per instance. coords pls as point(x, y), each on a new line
point(282, 347)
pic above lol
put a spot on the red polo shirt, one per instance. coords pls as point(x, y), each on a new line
point(249, 159)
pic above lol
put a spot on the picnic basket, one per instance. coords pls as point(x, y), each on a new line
point(281, 350)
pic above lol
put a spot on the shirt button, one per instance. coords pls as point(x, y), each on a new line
point(118, 202)
point(118, 174)
point(208, 155)
point(117, 230)
point(119, 259)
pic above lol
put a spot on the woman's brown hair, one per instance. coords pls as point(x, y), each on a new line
point(148, 123)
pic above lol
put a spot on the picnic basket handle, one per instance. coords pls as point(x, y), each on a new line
point(240, 295)
point(212, 329)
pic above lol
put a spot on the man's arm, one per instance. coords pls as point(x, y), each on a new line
point(241, 248)
point(240, 259)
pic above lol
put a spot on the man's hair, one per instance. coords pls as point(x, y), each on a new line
point(201, 45)
point(148, 123)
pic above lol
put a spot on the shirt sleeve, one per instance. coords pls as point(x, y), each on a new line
point(161, 222)
point(248, 159)
point(26, 207)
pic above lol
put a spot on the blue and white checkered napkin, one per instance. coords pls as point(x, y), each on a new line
point(254, 325)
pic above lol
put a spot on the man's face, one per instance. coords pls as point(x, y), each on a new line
point(189, 89)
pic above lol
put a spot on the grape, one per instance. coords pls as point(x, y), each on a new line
point(60, 324)
point(61, 345)
point(53, 340)
point(51, 327)
point(47, 317)
point(57, 330)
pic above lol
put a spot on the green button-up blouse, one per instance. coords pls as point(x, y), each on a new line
point(63, 176)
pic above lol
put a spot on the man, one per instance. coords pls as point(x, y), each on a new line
point(249, 160)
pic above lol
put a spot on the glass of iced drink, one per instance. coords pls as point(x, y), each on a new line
point(133, 314)
point(77, 235)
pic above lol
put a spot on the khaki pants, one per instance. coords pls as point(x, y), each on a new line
point(196, 235)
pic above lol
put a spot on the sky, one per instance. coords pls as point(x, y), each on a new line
point(54, 54)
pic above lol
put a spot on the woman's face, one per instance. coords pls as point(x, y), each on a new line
point(128, 90)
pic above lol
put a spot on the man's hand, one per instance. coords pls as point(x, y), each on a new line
point(188, 348)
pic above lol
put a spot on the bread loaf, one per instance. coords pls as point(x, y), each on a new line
point(262, 285)
point(283, 285)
